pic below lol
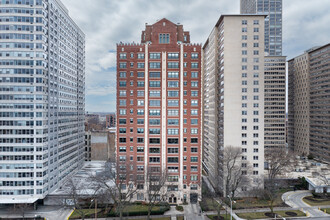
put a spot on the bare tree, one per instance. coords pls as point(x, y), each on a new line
point(156, 188)
point(235, 172)
point(279, 161)
point(73, 190)
point(217, 200)
point(119, 182)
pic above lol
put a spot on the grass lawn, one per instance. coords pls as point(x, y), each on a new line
point(327, 210)
point(226, 217)
point(261, 215)
point(76, 213)
point(207, 204)
point(180, 218)
point(259, 203)
point(139, 208)
point(316, 201)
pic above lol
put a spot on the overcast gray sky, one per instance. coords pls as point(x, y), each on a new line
point(107, 22)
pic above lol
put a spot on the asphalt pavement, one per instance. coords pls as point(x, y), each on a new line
point(295, 200)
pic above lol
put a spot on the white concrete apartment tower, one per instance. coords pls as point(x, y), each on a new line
point(233, 94)
point(42, 98)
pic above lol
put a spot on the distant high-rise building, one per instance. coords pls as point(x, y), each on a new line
point(111, 120)
point(233, 95)
point(42, 98)
point(273, 22)
point(309, 86)
point(159, 110)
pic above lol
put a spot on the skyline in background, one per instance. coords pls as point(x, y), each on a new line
point(115, 22)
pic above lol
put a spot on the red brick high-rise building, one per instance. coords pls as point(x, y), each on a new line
point(159, 110)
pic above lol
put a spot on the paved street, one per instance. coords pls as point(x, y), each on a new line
point(294, 199)
point(49, 212)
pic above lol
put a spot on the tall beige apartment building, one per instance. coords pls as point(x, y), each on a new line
point(309, 103)
point(275, 77)
point(233, 95)
point(298, 106)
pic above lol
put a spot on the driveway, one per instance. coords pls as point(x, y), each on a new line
point(295, 200)
point(49, 212)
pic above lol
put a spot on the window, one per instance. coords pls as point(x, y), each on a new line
point(256, 52)
point(194, 55)
point(194, 121)
point(140, 84)
point(122, 74)
point(244, 22)
point(173, 84)
point(164, 38)
point(244, 30)
point(194, 112)
point(154, 159)
point(122, 102)
point(154, 56)
point(173, 122)
point(194, 102)
point(140, 112)
point(122, 111)
point(244, 82)
point(244, 60)
point(154, 121)
point(173, 103)
point(256, 37)
point(172, 140)
point(154, 65)
point(194, 140)
point(122, 130)
point(193, 159)
point(154, 103)
point(140, 121)
point(172, 159)
point(122, 93)
point(244, 37)
point(255, 29)
point(122, 121)
point(255, 44)
point(244, 52)
point(154, 112)
point(244, 75)
point(194, 74)
point(173, 93)
point(173, 74)
point(122, 65)
point(256, 22)
point(154, 74)
point(154, 140)
point(194, 131)
point(122, 83)
point(140, 102)
point(140, 140)
point(255, 82)
point(194, 93)
point(140, 74)
point(122, 140)
point(173, 150)
point(154, 93)
point(173, 65)
point(255, 158)
point(154, 131)
point(244, 44)
point(244, 67)
point(173, 55)
point(172, 112)
point(154, 84)
point(193, 177)
point(194, 65)
point(122, 56)
point(194, 84)
point(154, 150)
point(172, 131)
point(140, 65)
